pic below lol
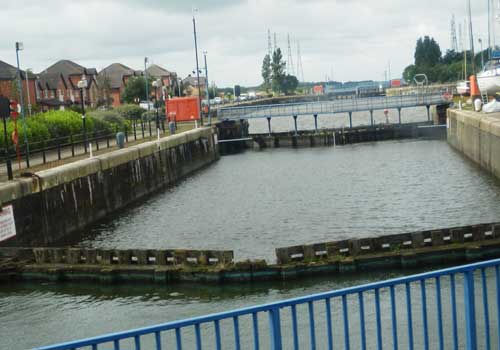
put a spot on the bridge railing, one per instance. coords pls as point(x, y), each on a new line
point(331, 107)
point(453, 308)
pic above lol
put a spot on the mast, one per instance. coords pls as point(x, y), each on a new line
point(471, 38)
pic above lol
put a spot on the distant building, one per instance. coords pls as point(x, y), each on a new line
point(9, 85)
point(168, 80)
point(190, 86)
point(116, 76)
point(57, 86)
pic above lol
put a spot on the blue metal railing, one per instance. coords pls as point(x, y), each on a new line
point(433, 310)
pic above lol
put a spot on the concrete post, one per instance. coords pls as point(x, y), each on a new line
point(399, 115)
point(295, 123)
point(350, 120)
point(269, 125)
point(371, 117)
point(316, 123)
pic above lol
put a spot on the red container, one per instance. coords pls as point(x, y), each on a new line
point(182, 109)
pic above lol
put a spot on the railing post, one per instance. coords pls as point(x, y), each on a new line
point(470, 311)
point(72, 145)
point(371, 116)
point(399, 115)
point(350, 120)
point(269, 125)
point(275, 329)
point(316, 123)
point(295, 123)
point(428, 113)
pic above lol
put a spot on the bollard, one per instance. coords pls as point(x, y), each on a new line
point(171, 127)
point(120, 139)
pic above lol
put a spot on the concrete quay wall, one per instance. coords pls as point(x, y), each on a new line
point(477, 136)
point(54, 204)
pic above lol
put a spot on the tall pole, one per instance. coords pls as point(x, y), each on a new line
point(83, 121)
point(489, 30)
point(206, 86)
point(146, 78)
point(482, 54)
point(179, 83)
point(197, 69)
point(28, 91)
point(471, 35)
point(21, 100)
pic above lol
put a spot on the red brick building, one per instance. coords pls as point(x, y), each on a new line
point(57, 86)
point(9, 84)
point(115, 76)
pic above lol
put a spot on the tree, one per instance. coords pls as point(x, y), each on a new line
point(427, 52)
point(266, 72)
point(104, 90)
point(289, 83)
point(277, 70)
point(135, 89)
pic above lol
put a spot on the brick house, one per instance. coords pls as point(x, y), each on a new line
point(168, 80)
point(190, 86)
point(57, 86)
point(9, 85)
point(116, 76)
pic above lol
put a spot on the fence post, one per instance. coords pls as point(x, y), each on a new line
point(470, 311)
point(72, 145)
point(96, 141)
point(59, 149)
point(43, 153)
point(135, 127)
point(275, 329)
point(126, 133)
point(149, 122)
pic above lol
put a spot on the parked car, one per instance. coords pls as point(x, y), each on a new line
point(218, 100)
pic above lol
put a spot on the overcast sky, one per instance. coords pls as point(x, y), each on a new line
point(355, 39)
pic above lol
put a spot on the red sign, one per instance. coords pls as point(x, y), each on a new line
point(14, 109)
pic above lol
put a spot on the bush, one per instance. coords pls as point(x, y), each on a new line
point(149, 115)
point(130, 111)
point(113, 118)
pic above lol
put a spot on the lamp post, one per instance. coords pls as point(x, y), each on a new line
point(155, 84)
point(146, 77)
point(482, 54)
point(206, 87)
point(82, 84)
point(197, 69)
point(179, 86)
point(28, 70)
point(20, 47)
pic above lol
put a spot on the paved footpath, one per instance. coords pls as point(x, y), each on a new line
point(52, 158)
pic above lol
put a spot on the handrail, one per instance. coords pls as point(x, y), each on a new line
point(273, 310)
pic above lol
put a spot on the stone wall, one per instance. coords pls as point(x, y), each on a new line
point(477, 136)
point(56, 203)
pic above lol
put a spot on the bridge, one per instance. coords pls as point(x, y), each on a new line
point(329, 108)
point(453, 308)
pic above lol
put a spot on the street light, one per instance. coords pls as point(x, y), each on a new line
point(197, 67)
point(146, 77)
point(20, 47)
point(206, 87)
point(482, 54)
point(179, 86)
point(28, 70)
point(82, 84)
point(155, 84)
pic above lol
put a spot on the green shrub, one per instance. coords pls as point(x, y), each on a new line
point(149, 115)
point(130, 111)
point(113, 118)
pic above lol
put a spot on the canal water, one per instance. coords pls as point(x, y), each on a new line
point(252, 203)
point(255, 202)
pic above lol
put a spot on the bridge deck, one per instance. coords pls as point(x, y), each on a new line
point(331, 107)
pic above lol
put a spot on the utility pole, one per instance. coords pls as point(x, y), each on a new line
point(19, 47)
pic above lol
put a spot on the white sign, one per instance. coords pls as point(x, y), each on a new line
point(7, 223)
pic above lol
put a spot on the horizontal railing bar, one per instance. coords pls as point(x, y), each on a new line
point(275, 305)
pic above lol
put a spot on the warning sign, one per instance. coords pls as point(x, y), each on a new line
point(7, 223)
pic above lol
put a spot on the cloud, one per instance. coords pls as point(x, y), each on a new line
point(354, 38)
